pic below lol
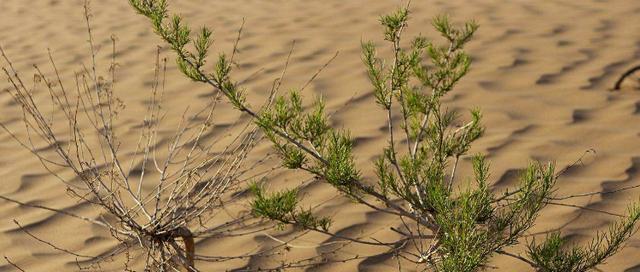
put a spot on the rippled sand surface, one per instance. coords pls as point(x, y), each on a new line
point(542, 75)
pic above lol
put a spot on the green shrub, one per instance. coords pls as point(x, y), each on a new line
point(467, 223)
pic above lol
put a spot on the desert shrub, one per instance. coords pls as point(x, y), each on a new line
point(157, 197)
point(465, 224)
point(454, 225)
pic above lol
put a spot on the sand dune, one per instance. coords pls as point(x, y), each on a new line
point(542, 76)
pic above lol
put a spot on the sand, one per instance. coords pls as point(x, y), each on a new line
point(542, 75)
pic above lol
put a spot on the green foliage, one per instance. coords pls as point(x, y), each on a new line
point(469, 222)
point(173, 30)
point(393, 24)
point(375, 67)
point(283, 207)
point(275, 206)
point(550, 256)
point(554, 255)
point(340, 170)
point(456, 36)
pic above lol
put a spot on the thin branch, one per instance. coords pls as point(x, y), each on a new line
point(13, 264)
point(583, 208)
point(517, 257)
point(319, 71)
point(50, 244)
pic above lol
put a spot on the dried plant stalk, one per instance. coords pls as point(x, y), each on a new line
point(160, 198)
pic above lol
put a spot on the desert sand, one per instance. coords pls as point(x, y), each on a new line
point(542, 75)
